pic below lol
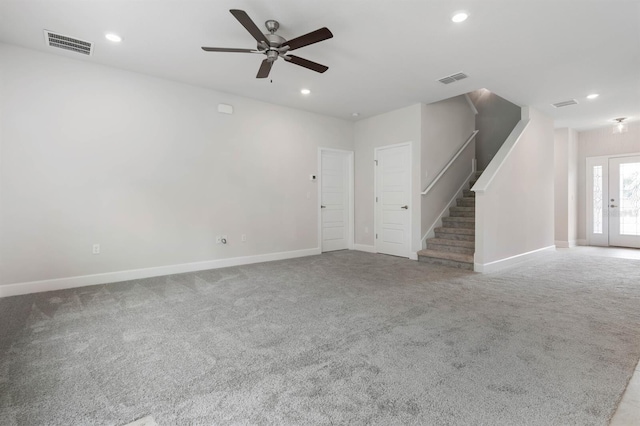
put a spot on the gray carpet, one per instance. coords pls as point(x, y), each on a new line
point(345, 337)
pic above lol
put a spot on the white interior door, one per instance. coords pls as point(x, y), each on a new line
point(334, 199)
point(393, 194)
point(613, 201)
point(624, 201)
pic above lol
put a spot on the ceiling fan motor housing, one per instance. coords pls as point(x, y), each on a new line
point(275, 41)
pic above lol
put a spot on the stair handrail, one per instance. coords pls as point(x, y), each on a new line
point(443, 171)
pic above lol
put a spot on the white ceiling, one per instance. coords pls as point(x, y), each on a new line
point(384, 55)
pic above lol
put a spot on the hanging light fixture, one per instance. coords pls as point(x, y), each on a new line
point(620, 126)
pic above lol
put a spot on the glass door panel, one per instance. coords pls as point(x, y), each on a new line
point(624, 201)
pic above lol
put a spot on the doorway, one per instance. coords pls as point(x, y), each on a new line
point(613, 201)
point(392, 199)
point(336, 199)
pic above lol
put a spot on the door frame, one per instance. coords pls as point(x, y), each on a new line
point(375, 193)
point(589, 163)
point(350, 203)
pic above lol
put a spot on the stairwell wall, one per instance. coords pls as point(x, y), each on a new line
point(495, 120)
point(515, 197)
point(445, 127)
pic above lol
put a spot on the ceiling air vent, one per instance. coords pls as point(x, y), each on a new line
point(68, 43)
point(565, 103)
point(453, 78)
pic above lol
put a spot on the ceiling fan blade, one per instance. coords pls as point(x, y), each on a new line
point(265, 68)
point(310, 38)
point(246, 22)
point(229, 49)
point(306, 63)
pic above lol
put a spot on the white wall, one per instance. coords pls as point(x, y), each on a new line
point(566, 175)
point(147, 168)
point(594, 143)
point(394, 127)
point(572, 191)
point(445, 127)
point(515, 197)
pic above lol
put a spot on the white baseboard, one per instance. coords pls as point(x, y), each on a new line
point(365, 247)
point(413, 255)
point(510, 261)
point(111, 277)
point(566, 244)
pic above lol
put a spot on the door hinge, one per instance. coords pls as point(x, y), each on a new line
point(376, 199)
point(376, 162)
point(376, 236)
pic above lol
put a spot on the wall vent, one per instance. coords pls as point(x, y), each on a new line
point(453, 78)
point(68, 43)
point(565, 103)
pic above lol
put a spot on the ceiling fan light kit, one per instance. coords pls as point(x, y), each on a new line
point(620, 126)
point(274, 46)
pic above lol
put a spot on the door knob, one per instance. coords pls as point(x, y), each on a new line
point(323, 207)
point(404, 207)
point(613, 205)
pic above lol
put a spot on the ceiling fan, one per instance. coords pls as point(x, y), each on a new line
point(273, 46)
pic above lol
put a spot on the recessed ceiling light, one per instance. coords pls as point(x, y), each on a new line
point(355, 114)
point(593, 96)
point(460, 17)
point(113, 37)
point(305, 91)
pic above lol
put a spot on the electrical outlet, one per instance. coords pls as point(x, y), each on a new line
point(243, 237)
point(96, 249)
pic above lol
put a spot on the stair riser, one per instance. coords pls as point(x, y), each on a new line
point(466, 202)
point(446, 262)
point(454, 224)
point(450, 249)
point(468, 193)
point(454, 213)
point(457, 237)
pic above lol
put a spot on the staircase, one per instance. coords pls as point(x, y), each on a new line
point(454, 243)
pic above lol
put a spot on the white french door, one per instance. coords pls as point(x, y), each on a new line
point(613, 207)
point(335, 199)
point(393, 197)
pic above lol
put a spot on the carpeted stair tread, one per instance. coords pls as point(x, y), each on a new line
point(466, 202)
point(450, 242)
point(460, 219)
point(449, 230)
point(450, 249)
point(459, 222)
point(462, 211)
point(468, 193)
point(458, 257)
